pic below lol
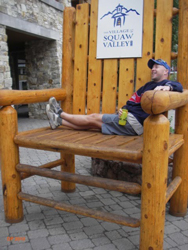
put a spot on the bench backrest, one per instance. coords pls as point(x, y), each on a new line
point(105, 85)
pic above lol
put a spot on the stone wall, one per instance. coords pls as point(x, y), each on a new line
point(43, 70)
point(5, 78)
point(44, 56)
point(124, 171)
point(35, 11)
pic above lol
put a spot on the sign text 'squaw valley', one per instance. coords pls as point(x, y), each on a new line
point(120, 29)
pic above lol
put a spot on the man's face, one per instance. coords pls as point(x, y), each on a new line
point(159, 73)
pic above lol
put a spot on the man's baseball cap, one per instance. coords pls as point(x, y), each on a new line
point(151, 62)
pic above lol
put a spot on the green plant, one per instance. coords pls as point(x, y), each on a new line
point(171, 129)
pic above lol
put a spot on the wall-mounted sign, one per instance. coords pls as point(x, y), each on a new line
point(120, 28)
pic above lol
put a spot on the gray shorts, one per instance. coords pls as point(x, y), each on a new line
point(111, 126)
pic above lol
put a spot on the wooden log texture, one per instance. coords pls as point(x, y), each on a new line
point(178, 206)
point(154, 182)
point(119, 219)
point(49, 165)
point(90, 143)
point(14, 97)
point(80, 58)
point(126, 81)
point(143, 73)
point(175, 11)
point(95, 65)
point(173, 187)
point(68, 54)
point(121, 186)
point(157, 102)
point(11, 182)
point(68, 166)
point(109, 92)
point(178, 202)
point(163, 38)
point(183, 51)
point(183, 44)
point(67, 83)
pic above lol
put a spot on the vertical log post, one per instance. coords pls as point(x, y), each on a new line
point(0, 146)
point(67, 84)
point(178, 204)
point(11, 181)
point(154, 182)
point(68, 166)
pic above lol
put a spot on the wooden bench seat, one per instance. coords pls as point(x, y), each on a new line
point(90, 143)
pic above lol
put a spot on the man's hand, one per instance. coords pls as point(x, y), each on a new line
point(163, 88)
point(120, 112)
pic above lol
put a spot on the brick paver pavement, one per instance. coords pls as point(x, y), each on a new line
point(47, 228)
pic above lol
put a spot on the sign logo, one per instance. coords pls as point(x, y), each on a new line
point(119, 29)
point(119, 14)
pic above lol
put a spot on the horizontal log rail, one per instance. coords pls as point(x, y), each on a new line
point(119, 219)
point(173, 187)
point(121, 186)
point(48, 165)
point(153, 102)
point(156, 101)
point(176, 146)
point(15, 97)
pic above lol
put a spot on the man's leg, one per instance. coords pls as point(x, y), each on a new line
point(82, 121)
point(57, 117)
point(79, 122)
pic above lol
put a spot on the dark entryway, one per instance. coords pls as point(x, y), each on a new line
point(16, 49)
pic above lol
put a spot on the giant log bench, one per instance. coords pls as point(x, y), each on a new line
point(152, 150)
point(80, 94)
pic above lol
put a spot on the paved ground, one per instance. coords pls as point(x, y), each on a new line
point(46, 228)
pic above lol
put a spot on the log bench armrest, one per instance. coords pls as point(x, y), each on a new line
point(15, 97)
point(156, 101)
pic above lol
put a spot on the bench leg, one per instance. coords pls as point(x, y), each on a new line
point(178, 202)
point(154, 182)
point(68, 166)
point(11, 181)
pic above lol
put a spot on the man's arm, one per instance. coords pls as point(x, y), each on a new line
point(175, 86)
point(171, 86)
point(164, 88)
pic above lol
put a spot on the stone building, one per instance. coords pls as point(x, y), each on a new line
point(31, 45)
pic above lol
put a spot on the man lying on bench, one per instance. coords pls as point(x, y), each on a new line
point(109, 123)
